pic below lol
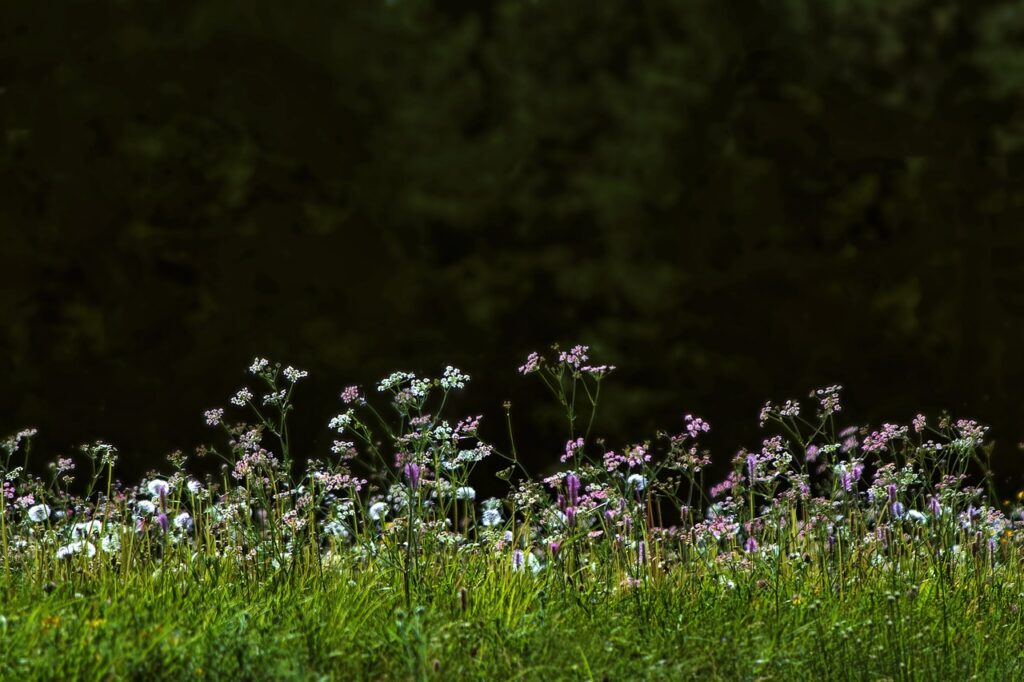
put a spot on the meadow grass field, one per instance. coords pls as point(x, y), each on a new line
point(830, 552)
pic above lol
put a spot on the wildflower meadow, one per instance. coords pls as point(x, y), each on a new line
point(828, 551)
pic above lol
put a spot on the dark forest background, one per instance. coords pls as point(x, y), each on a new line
point(733, 201)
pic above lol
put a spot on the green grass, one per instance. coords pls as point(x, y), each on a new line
point(475, 618)
point(828, 554)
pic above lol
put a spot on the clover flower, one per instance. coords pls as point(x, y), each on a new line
point(39, 513)
point(378, 510)
point(86, 529)
point(158, 487)
point(184, 522)
point(76, 547)
point(491, 517)
point(637, 481)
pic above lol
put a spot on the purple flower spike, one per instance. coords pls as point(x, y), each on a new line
point(161, 518)
point(572, 485)
point(751, 467)
point(412, 474)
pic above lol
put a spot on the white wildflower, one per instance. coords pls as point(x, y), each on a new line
point(637, 481)
point(243, 396)
point(258, 365)
point(453, 378)
point(158, 487)
point(491, 517)
point(293, 375)
point(378, 510)
point(39, 513)
point(68, 550)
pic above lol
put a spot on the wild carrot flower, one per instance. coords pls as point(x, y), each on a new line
point(293, 375)
point(214, 416)
point(465, 493)
point(491, 517)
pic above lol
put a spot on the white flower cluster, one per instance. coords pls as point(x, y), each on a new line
point(341, 422)
point(293, 375)
point(158, 487)
point(420, 387)
point(243, 396)
point(395, 379)
point(275, 398)
point(258, 365)
point(453, 378)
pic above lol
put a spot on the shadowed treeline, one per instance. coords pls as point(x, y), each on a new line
point(731, 201)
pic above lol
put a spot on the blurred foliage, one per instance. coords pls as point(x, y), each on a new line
point(732, 201)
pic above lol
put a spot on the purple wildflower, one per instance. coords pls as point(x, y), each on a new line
point(532, 364)
point(572, 485)
point(572, 448)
